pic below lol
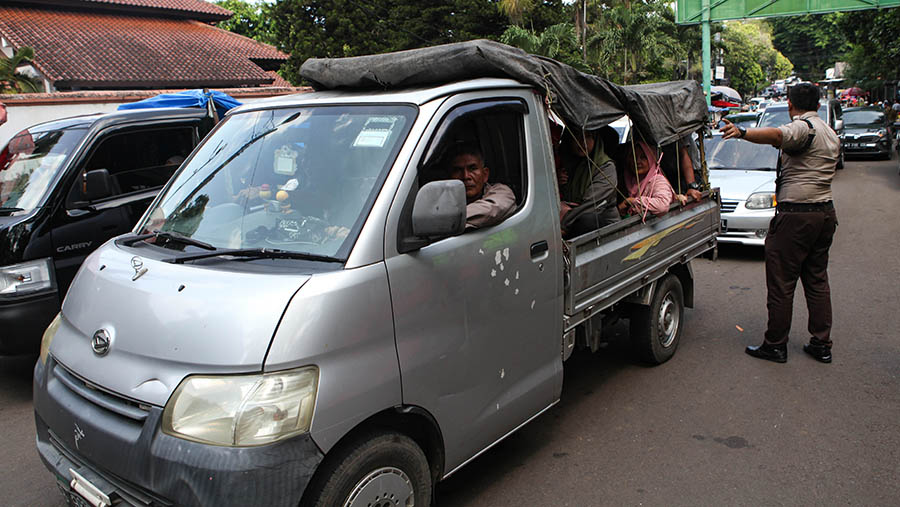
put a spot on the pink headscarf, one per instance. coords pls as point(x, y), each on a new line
point(643, 188)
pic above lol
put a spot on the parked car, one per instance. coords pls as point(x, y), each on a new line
point(745, 175)
point(66, 187)
point(350, 342)
point(866, 132)
point(829, 110)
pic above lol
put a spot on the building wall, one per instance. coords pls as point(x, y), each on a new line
point(26, 110)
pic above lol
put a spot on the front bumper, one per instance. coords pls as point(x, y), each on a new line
point(743, 226)
point(101, 437)
point(23, 322)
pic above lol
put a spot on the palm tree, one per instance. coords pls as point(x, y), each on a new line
point(12, 81)
point(515, 9)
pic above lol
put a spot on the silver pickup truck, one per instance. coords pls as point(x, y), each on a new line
point(300, 318)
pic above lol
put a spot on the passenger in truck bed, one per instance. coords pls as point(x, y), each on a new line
point(648, 190)
point(487, 204)
point(588, 183)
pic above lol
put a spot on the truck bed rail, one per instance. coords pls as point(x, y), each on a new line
point(607, 265)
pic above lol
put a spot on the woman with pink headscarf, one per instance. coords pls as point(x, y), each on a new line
point(648, 188)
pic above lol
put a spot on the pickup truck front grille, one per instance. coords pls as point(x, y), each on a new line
point(729, 205)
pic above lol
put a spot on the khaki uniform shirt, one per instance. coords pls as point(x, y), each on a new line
point(806, 178)
point(496, 203)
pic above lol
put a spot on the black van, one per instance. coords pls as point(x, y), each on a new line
point(66, 186)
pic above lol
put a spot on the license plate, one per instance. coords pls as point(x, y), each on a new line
point(853, 145)
point(723, 226)
point(81, 493)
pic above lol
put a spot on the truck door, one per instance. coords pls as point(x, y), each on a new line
point(478, 316)
point(135, 163)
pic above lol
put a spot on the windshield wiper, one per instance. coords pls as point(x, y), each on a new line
point(255, 253)
point(167, 235)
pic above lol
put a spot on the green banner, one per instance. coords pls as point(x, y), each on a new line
point(691, 11)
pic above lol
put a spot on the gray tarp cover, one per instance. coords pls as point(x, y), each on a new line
point(662, 112)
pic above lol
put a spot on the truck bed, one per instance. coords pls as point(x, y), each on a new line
point(609, 264)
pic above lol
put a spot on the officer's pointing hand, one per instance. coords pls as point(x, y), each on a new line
point(729, 131)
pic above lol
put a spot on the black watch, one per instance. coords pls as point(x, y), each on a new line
point(693, 185)
point(742, 131)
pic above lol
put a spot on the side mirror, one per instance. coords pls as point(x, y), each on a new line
point(440, 210)
point(96, 185)
point(838, 125)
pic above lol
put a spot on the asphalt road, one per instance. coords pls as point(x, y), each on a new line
point(712, 426)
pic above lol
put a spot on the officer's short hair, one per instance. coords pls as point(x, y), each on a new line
point(804, 96)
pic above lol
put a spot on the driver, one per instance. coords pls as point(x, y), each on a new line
point(487, 204)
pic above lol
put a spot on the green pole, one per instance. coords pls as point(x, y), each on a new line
point(706, 52)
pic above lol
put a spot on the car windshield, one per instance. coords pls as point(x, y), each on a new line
point(296, 180)
point(864, 117)
point(739, 154)
point(30, 162)
point(777, 116)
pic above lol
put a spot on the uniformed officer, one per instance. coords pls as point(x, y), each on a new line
point(801, 232)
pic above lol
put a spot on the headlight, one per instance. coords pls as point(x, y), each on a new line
point(26, 278)
point(242, 410)
point(761, 200)
point(881, 133)
point(49, 333)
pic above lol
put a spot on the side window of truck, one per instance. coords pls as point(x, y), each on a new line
point(133, 161)
point(497, 129)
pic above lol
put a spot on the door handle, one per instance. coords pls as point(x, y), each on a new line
point(539, 250)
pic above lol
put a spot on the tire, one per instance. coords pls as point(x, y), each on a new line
point(384, 469)
point(656, 329)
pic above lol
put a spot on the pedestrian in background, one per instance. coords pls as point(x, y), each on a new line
point(801, 232)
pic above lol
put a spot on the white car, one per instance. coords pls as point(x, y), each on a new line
point(745, 174)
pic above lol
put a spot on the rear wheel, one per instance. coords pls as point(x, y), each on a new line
point(382, 469)
point(656, 329)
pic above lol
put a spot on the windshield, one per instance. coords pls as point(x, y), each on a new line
point(775, 117)
point(738, 154)
point(864, 117)
point(299, 180)
point(30, 162)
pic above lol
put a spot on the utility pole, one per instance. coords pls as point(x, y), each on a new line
point(705, 34)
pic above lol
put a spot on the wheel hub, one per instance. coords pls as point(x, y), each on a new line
point(668, 321)
point(384, 487)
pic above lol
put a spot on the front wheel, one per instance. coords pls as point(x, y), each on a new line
point(656, 329)
point(384, 469)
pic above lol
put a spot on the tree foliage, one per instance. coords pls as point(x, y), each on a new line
point(812, 42)
point(751, 61)
point(874, 40)
point(250, 20)
point(12, 81)
point(337, 28)
point(558, 42)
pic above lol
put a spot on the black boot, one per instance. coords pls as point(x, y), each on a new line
point(820, 353)
point(776, 353)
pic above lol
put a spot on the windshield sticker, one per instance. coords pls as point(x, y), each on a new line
point(376, 132)
point(285, 161)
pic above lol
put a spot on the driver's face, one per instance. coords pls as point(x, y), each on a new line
point(470, 170)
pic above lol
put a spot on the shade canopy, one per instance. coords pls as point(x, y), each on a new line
point(661, 112)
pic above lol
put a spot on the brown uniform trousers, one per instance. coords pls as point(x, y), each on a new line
point(797, 247)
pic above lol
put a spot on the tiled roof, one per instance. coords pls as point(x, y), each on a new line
point(195, 9)
point(106, 50)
